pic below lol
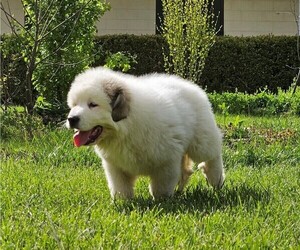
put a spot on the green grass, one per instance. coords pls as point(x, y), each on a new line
point(54, 196)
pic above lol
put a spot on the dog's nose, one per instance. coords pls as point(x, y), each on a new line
point(73, 121)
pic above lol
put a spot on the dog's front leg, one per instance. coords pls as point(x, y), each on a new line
point(120, 183)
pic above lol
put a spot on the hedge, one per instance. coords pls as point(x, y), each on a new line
point(262, 103)
point(248, 64)
point(244, 64)
point(147, 49)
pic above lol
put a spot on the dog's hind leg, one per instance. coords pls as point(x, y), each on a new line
point(186, 172)
point(164, 181)
point(213, 171)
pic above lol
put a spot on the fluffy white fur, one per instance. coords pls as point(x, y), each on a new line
point(166, 122)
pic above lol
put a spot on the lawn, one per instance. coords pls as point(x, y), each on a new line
point(54, 196)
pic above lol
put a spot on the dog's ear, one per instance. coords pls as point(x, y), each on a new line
point(120, 105)
point(119, 100)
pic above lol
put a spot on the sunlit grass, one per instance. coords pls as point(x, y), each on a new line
point(54, 196)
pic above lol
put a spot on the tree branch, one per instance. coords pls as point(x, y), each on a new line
point(11, 18)
point(67, 38)
point(70, 17)
point(26, 12)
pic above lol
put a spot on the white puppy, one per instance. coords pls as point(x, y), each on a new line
point(152, 125)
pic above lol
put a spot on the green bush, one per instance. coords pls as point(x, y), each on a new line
point(68, 50)
point(147, 50)
point(17, 124)
point(248, 64)
point(56, 43)
point(120, 61)
point(243, 64)
point(13, 71)
point(189, 29)
point(260, 103)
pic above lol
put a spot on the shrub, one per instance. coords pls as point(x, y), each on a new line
point(147, 50)
point(248, 64)
point(120, 61)
point(243, 64)
point(189, 30)
point(69, 48)
point(56, 43)
point(13, 70)
point(260, 103)
point(16, 123)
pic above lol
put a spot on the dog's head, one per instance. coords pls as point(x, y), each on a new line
point(98, 100)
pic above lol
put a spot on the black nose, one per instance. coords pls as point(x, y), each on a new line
point(73, 121)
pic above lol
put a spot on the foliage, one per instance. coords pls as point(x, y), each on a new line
point(16, 123)
point(55, 196)
point(120, 61)
point(189, 30)
point(13, 71)
point(260, 103)
point(247, 64)
point(243, 64)
point(57, 43)
point(69, 48)
point(146, 49)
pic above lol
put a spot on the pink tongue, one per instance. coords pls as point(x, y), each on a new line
point(81, 138)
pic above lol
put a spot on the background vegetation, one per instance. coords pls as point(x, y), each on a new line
point(54, 44)
point(248, 64)
point(243, 64)
point(189, 30)
point(233, 64)
point(261, 103)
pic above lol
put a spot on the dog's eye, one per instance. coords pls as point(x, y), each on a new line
point(92, 105)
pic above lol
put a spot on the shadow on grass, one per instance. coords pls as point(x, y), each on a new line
point(200, 199)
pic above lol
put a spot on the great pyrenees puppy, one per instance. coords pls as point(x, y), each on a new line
point(154, 125)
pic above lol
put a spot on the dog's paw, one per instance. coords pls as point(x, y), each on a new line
point(213, 178)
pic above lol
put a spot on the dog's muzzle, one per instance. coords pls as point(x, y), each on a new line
point(73, 121)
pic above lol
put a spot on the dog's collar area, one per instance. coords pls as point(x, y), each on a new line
point(85, 138)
